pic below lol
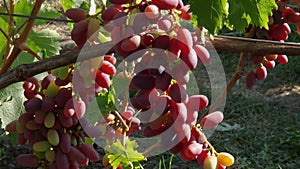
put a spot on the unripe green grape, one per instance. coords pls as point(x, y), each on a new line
point(53, 137)
point(41, 146)
point(52, 89)
point(49, 120)
point(50, 156)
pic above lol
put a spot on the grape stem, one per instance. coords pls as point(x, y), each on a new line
point(124, 125)
point(203, 137)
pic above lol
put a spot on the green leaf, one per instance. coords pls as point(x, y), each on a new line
point(127, 156)
point(23, 7)
point(3, 26)
point(209, 13)
point(23, 58)
point(106, 102)
point(45, 39)
point(243, 13)
point(66, 4)
point(43, 42)
point(12, 103)
point(47, 12)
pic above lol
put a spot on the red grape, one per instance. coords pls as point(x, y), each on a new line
point(61, 160)
point(165, 4)
point(250, 79)
point(261, 73)
point(76, 14)
point(131, 43)
point(89, 152)
point(27, 160)
point(178, 93)
point(109, 13)
point(282, 59)
point(79, 32)
point(269, 64)
point(119, 2)
point(102, 79)
point(76, 155)
point(65, 142)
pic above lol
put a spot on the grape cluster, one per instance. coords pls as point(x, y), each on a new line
point(53, 125)
point(166, 54)
point(85, 28)
point(279, 30)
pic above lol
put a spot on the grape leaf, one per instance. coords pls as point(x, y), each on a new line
point(127, 156)
point(45, 39)
point(257, 12)
point(11, 105)
point(237, 15)
point(23, 58)
point(22, 7)
point(3, 26)
point(47, 12)
point(209, 13)
point(66, 4)
point(106, 102)
point(25, 8)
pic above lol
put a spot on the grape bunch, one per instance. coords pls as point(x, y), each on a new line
point(279, 30)
point(164, 53)
point(53, 125)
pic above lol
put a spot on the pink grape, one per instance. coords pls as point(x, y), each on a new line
point(152, 11)
point(197, 102)
point(185, 40)
point(212, 119)
point(202, 53)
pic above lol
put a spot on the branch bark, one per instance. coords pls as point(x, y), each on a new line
point(221, 43)
point(255, 46)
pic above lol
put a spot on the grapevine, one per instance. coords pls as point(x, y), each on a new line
point(159, 47)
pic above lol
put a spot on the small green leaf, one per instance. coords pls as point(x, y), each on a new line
point(105, 101)
point(12, 108)
point(211, 13)
point(66, 4)
point(127, 156)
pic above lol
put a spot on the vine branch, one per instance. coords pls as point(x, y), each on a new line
point(221, 43)
point(9, 59)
